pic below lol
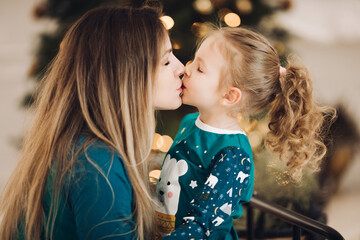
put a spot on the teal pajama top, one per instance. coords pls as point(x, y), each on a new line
point(206, 176)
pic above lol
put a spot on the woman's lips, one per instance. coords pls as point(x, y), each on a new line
point(181, 91)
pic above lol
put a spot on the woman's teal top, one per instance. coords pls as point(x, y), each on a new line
point(96, 200)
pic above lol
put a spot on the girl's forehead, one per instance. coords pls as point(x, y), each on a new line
point(209, 50)
point(209, 42)
point(212, 44)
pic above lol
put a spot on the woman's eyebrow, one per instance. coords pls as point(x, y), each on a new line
point(167, 52)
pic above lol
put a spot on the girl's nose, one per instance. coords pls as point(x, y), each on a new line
point(187, 71)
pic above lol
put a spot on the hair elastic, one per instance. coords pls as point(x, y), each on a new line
point(282, 70)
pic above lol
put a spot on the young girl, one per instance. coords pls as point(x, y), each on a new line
point(208, 172)
point(83, 174)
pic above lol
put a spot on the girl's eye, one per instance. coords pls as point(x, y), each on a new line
point(199, 70)
point(167, 63)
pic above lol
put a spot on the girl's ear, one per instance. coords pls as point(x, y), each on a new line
point(232, 96)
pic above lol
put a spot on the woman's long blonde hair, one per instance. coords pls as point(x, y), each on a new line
point(101, 81)
point(296, 121)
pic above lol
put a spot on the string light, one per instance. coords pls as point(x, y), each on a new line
point(167, 141)
point(244, 6)
point(161, 143)
point(203, 6)
point(232, 19)
point(156, 139)
point(168, 22)
point(176, 46)
point(155, 174)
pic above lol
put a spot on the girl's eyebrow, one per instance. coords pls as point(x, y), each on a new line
point(202, 62)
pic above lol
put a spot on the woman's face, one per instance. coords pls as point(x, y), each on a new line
point(168, 84)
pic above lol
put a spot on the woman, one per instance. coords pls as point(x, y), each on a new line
point(83, 174)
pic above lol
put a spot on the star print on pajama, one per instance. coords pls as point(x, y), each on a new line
point(204, 179)
point(225, 189)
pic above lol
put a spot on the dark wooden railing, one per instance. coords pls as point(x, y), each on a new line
point(299, 222)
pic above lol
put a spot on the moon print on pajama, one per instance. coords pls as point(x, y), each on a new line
point(218, 179)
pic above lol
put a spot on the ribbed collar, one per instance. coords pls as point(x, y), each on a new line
point(207, 128)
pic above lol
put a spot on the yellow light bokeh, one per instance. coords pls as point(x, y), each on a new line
point(168, 22)
point(203, 6)
point(232, 19)
point(200, 29)
point(166, 142)
point(156, 138)
point(176, 45)
point(155, 174)
point(244, 6)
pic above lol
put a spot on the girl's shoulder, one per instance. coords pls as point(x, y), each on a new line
point(190, 118)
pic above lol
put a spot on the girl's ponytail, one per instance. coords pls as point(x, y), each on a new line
point(296, 122)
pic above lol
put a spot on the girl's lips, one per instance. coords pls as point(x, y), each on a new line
point(181, 87)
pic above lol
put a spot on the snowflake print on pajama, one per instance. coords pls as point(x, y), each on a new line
point(218, 199)
point(219, 179)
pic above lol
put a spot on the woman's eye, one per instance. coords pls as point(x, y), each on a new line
point(167, 63)
point(199, 70)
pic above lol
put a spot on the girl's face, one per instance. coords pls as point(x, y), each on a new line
point(202, 77)
point(168, 84)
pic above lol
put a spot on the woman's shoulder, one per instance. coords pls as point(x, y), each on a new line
point(95, 155)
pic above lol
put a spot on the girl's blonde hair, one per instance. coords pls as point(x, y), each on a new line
point(295, 120)
point(100, 82)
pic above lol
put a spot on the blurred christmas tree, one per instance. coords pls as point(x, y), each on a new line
point(188, 17)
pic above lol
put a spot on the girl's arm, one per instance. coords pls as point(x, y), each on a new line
point(228, 186)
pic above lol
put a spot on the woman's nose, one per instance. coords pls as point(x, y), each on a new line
point(180, 69)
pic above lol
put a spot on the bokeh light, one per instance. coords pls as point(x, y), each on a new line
point(203, 6)
point(161, 143)
point(155, 142)
point(155, 174)
point(176, 45)
point(168, 22)
point(244, 6)
point(232, 19)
